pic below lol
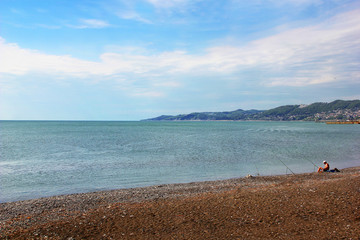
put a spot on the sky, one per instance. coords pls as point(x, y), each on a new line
point(138, 59)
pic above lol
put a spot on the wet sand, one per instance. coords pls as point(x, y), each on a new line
point(303, 206)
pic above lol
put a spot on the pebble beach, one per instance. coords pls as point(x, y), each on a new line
point(309, 205)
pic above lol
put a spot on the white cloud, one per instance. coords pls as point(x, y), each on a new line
point(171, 84)
point(131, 15)
point(298, 2)
point(322, 53)
point(146, 93)
point(167, 3)
point(91, 23)
point(18, 61)
point(301, 81)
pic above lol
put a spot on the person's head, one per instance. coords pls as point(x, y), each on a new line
point(324, 162)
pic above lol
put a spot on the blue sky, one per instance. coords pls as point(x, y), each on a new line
point(136, 59)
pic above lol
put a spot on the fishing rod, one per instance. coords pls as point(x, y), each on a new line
point(258, 173)
point(315, 166)
point(287, 167)
point(304, 157)
point(283, 163)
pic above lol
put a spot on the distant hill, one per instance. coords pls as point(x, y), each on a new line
point(338, 109)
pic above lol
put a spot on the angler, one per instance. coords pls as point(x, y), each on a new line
point(326, 168)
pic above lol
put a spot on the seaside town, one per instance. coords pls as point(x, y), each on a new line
point(340, 114)
point(336, 111)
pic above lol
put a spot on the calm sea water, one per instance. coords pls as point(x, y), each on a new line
point(39, 159)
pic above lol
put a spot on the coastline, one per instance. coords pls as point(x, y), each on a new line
point(284, 205)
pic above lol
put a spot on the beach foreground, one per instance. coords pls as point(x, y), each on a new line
point(315, 205)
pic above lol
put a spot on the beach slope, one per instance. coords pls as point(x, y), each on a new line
point(303, 206)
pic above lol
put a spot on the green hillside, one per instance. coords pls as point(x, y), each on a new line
point(338, 109)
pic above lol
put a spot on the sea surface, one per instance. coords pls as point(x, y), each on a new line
point(46, 158)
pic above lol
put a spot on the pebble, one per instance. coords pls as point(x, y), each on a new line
point(23, 214)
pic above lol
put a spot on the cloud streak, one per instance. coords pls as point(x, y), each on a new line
point(323, 53)
point(91, 23)
point(132, 15)
point(168, 3)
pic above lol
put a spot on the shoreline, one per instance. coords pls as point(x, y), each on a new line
point(23, 219)
point(225, 181)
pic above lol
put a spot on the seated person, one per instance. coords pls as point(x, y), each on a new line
point(326, 168)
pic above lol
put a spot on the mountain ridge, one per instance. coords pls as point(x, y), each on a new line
point(318, 111)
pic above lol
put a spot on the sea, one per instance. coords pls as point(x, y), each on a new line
point(47, 158)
